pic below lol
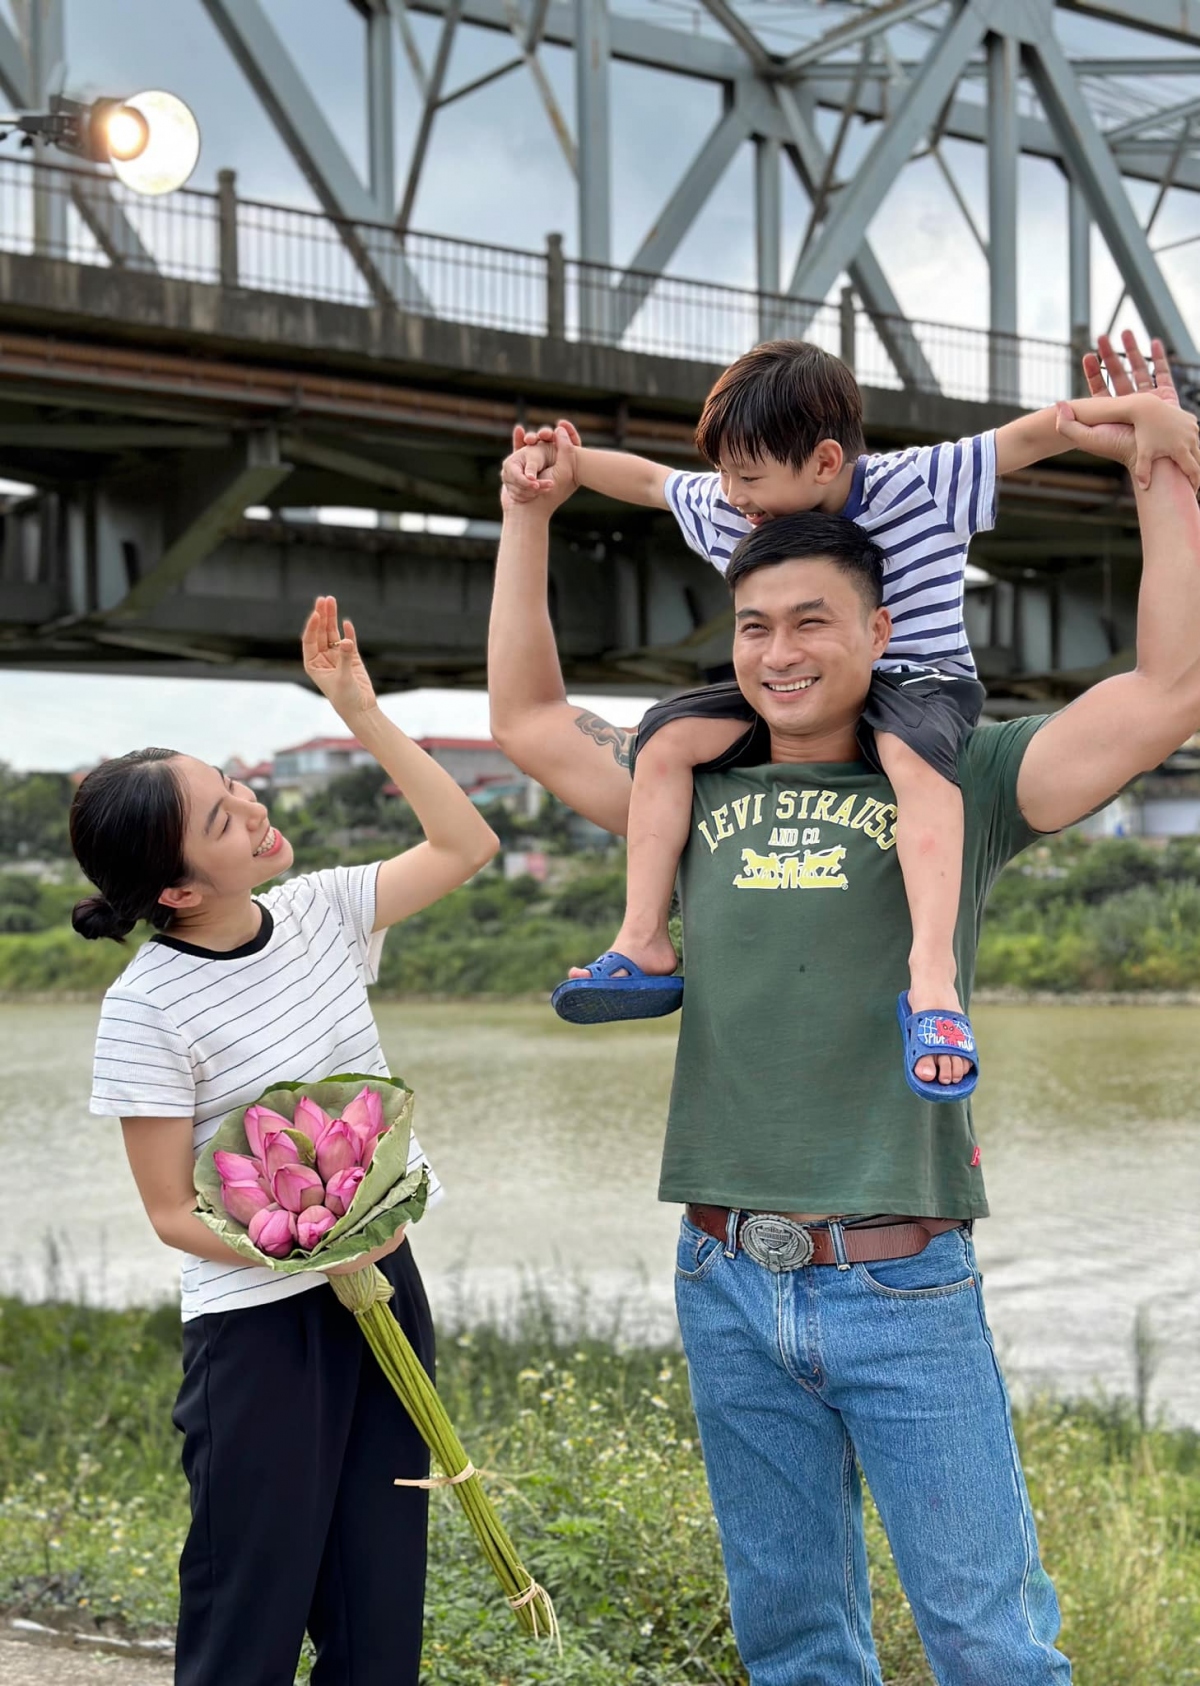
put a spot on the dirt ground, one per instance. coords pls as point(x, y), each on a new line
point(33, 1662)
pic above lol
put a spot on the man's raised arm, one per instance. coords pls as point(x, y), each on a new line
point(581, 758)
point(1129, 724)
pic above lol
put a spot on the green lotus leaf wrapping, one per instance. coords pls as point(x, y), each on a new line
point(388, 1196)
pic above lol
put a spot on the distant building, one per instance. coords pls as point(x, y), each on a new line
point(308, 767)
point(258, 776)
point(472, 762)
point(526, 863)
point(481, 768)
point(477, 765)
point(1161, 804)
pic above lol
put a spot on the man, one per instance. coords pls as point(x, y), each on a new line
point(827, 1289)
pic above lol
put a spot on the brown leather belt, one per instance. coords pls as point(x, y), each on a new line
point(863, 1243)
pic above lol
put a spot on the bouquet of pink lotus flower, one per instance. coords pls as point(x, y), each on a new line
point(315, 1175)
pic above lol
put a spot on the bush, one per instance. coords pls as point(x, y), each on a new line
point(33, 814)
point(531, 959)
point(1111, 866)
point(1068, 915)
point(594, 898)
point(33, 904)
point(1031, 960)
point(60, 960)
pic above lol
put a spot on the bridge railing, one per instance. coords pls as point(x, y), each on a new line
point(225, 240)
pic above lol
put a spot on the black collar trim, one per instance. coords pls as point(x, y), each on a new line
point(255, 946)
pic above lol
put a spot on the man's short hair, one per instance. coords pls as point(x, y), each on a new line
point(780, 400)
point(812, 534)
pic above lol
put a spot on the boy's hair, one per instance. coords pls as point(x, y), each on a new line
point(812, 533)
point(780, 400)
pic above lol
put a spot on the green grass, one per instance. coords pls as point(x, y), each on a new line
point(597, 1470)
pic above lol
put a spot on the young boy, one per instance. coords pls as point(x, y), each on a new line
point(783, 428)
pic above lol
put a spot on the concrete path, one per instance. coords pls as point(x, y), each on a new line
point(34, 1662)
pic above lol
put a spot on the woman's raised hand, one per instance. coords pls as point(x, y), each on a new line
point(333, 663)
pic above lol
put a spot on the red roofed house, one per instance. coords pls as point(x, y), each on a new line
point(483, 770)
point(258, 776)
point(471, 762)
point(477, 764)
point(307, 767)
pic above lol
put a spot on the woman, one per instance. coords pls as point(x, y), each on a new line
point(292, 1438)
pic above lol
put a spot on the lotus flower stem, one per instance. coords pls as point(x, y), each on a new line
point(365, 1293)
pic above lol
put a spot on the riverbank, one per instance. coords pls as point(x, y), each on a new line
point(596, 1467)
point(1003, 997)
point(1112, 921)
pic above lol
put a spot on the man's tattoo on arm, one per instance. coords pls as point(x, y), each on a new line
point(618, 738)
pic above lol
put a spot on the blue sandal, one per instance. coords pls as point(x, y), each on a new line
point(600, 997)
point(937, 1033)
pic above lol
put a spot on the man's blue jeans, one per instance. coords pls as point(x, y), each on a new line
point(800, 1377)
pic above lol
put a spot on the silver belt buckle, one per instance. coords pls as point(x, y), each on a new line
point(775, 1242)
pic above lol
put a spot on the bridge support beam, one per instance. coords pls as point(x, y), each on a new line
point(46, 48)
point(210, 500)
point(1079, 278)
point(866, 272)
point(272, 73)
point(1004, 371)
point(1094, 167)
point(768, 226)
point(593, 128)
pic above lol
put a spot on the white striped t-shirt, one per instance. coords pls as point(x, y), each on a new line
point(921, 506)
point(186, 1033)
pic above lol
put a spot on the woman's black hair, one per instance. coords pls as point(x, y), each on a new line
point(128, 822)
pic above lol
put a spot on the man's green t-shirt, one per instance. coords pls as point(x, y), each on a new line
point(789, 1091)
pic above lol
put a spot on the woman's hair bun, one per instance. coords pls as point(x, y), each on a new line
point(94, 917)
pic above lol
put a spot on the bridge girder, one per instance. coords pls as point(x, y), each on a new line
point(130, 555)
point(132, 551)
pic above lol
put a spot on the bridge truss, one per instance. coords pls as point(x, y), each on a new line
point(914, 72)
point(841, 94)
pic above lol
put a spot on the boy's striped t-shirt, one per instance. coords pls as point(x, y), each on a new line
point(186, 1033)
point(921, 506)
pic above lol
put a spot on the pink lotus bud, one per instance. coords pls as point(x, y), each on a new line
point(338, 1151)
point(273, 1231)
point(236, 1167)
point(312, 1224)
point(312, 1119)
point(341, 1189)
point(259, 1120)
point(243, 1200)
point(365, 1114)
point(297, 1187)
point(281, 1151)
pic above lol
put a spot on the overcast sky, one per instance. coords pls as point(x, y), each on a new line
point(495, 173)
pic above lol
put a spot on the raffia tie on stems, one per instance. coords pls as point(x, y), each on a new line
point(432, 1481)
point(365, 1293)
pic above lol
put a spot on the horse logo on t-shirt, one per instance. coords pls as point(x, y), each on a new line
point(816, 869)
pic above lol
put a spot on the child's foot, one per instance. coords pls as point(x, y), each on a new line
point(930, 992)
point(655, 954)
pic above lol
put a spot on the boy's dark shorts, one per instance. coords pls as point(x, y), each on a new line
point(932, 712)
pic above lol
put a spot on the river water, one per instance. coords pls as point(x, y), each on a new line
point(547, 1138)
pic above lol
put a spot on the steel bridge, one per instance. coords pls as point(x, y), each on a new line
point(168, 366)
